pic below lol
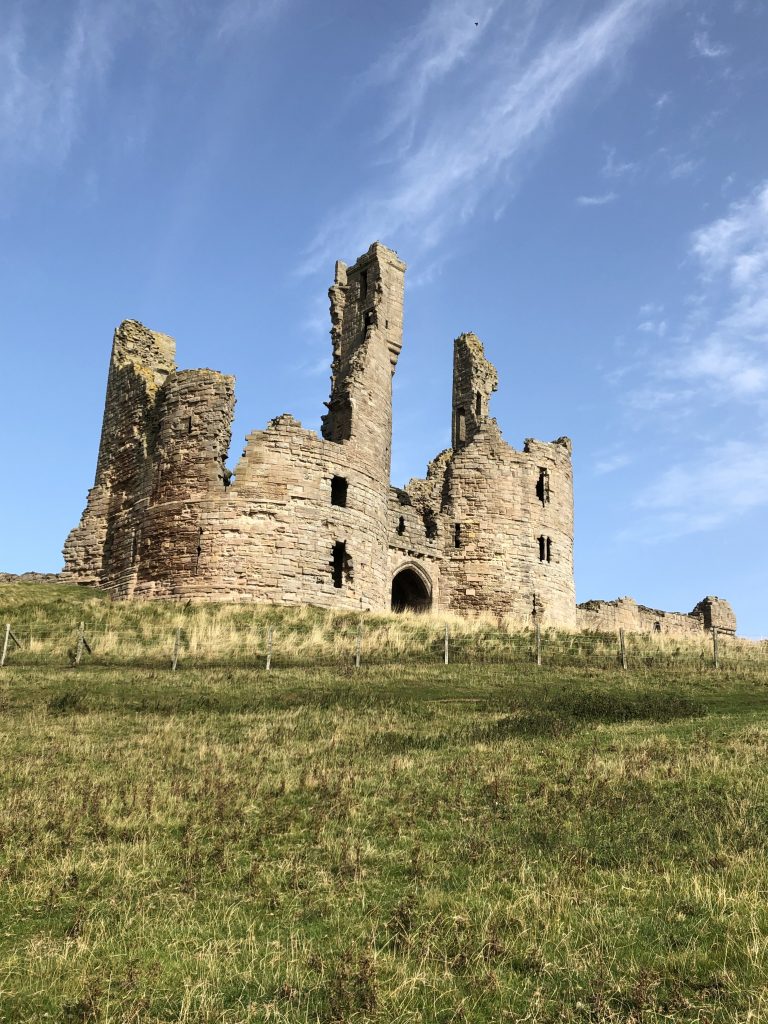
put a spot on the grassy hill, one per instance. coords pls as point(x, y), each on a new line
point(46, 619)
point(482, 842)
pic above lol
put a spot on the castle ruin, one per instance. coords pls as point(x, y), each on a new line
point(308, 519)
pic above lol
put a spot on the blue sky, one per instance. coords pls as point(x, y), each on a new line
point(583, 184)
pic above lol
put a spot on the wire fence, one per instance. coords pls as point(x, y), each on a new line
point(349, 644)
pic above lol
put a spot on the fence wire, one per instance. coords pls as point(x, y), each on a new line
point(209, 645)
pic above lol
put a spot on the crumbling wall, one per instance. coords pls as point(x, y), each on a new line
point(625, 613)
point(140, 362)
point(474, 380)
point(493, 525)
point(493, 512)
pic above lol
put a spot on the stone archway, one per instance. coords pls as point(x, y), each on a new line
point(411, 590)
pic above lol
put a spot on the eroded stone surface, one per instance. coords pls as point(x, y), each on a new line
point(309, 519)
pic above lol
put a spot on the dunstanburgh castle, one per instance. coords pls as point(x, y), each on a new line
point(314, 520)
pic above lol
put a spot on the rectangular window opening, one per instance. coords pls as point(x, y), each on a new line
point(339, 558)
point(461, 424)
point(542, 549)
point(457, 535)
point(363, 283)
point(549, 549)
point(478, 404)
point(339, 491)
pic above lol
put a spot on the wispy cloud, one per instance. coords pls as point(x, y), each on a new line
point(601, 200)
point(444, 39)
point(466, 148)
point(704, 47)
point(657, 327)
point(43, 94)
point(722, 482)
point(238, 16)
point(611, 463)
point(51, 80)
point(615, 168)
point(717, 358)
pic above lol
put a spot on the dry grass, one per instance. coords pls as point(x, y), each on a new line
point(46, 619)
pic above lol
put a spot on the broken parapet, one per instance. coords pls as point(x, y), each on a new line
point(625, 613)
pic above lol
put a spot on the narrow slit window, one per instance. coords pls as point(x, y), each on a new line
point(457, 535)
point(401, 526)
point(478, 404)
point(363, 283)
point(339, 489)
point(542, 549)
point(189, 424)
point(461, 424)
point(134, 547)
point(542, 486)
point(549, 549)
point(198, 549)
point(339, 558)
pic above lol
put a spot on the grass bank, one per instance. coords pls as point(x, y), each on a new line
point(394, 844)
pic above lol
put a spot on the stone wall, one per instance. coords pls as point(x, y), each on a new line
point(627, 614)
point(140, 362)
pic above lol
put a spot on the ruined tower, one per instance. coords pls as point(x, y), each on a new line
point(308, 519)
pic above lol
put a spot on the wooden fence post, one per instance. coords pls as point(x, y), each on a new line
point(445, 646)
point(176, 645)
point(269, 648)
point(9, 635)
point(358, 644)
point(715, 652)
point(79, 648)
point(538, 645)
point(623, 648)
point(5, 643)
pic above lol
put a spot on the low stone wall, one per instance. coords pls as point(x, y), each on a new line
point(31, 577)
point(625, 613)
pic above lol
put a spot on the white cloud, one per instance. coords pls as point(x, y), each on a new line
point(658, 327)
point(722, 483)
point(718, 358)
point(54, 70)
point(613, 168)
point(602, 200)
point(469, 146)
point(705, 48)
point(240, 16)
point(43, 94)
point(682, 167)
point(611, 463)
point(444, 39)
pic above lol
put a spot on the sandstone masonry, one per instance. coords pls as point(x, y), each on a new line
point(313, 519)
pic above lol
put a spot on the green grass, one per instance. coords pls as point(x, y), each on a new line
point(400, 844)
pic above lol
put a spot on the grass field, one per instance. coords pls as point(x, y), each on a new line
point(412, 843)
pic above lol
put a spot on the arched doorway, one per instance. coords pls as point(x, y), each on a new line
point(411, 590)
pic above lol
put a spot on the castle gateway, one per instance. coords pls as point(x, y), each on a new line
point(315, 520)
